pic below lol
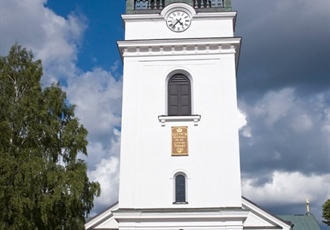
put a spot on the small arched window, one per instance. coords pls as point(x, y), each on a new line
point(180, 189)
point(179, 95)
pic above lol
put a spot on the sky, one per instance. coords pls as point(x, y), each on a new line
point(283, 86)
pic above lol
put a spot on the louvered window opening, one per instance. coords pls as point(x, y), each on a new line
point(179, 96)
point(160, 4)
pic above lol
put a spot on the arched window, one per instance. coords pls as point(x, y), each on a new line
point(179, 95)
point(180, 189)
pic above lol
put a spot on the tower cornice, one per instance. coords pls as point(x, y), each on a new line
point(177, 47)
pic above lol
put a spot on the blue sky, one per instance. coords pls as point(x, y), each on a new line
point(283, 89)
point(98, 47)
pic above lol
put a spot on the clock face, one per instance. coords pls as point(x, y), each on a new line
point(178, 21)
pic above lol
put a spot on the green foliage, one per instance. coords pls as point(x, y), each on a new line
point(43, 185)
point(326, 212)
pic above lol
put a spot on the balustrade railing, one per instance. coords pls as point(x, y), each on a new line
point(208, 3)
point(149, 4)
point(160, 4)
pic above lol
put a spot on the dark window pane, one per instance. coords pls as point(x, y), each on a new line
point(173, 89)
point(173, 110)
point(173, 100)
point(185, 89)
point(185, 100)
point(185, 110)
point(180, 188)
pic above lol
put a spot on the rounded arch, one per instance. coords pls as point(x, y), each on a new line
point(182, 6)
point(180, 172)
point(181, 70)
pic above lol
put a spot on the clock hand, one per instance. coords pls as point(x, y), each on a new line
point(177, 21)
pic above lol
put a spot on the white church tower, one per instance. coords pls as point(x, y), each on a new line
point(179, 160)
point(179, 149)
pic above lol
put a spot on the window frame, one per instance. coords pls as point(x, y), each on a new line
point(180, 94)
point(176, 200)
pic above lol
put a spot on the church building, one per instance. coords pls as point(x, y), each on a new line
point(179, 159)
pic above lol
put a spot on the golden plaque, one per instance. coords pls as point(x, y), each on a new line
point(180, 141)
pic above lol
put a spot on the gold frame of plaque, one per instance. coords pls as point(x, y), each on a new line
point(179, 140)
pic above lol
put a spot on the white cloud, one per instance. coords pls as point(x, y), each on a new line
point(241, 119)
point(275, 105)
point(288, 188)
point(286, 158)
point(97, 95)
point(299, 115)
point(106, 173)
point(51, 37)
point(302, 123)
point(242, 122)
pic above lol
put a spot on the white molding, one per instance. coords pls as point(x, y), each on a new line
point(179, 46)
point(140, 17)
point(164, 118)
point(214, 15)
point(263, 215)
point(174, 219)
point(96, 221)
point(183, 41)
point(178, 6)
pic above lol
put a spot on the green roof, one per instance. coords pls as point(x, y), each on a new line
point(302, 221)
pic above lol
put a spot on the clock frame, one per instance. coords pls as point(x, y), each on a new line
point(178, 21)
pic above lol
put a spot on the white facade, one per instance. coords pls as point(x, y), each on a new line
point(207, 54)
point(147, 167)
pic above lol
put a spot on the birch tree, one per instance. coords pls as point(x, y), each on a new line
point(43, 183)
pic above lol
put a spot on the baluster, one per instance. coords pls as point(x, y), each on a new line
point(217, 3)
point(202, 4)
point(196, 4)
point(137, 4)
point(147, 4)
point(208, 4)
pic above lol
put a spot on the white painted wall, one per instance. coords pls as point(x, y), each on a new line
point(147, 167)
point(203, 25)
point(154, 27)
